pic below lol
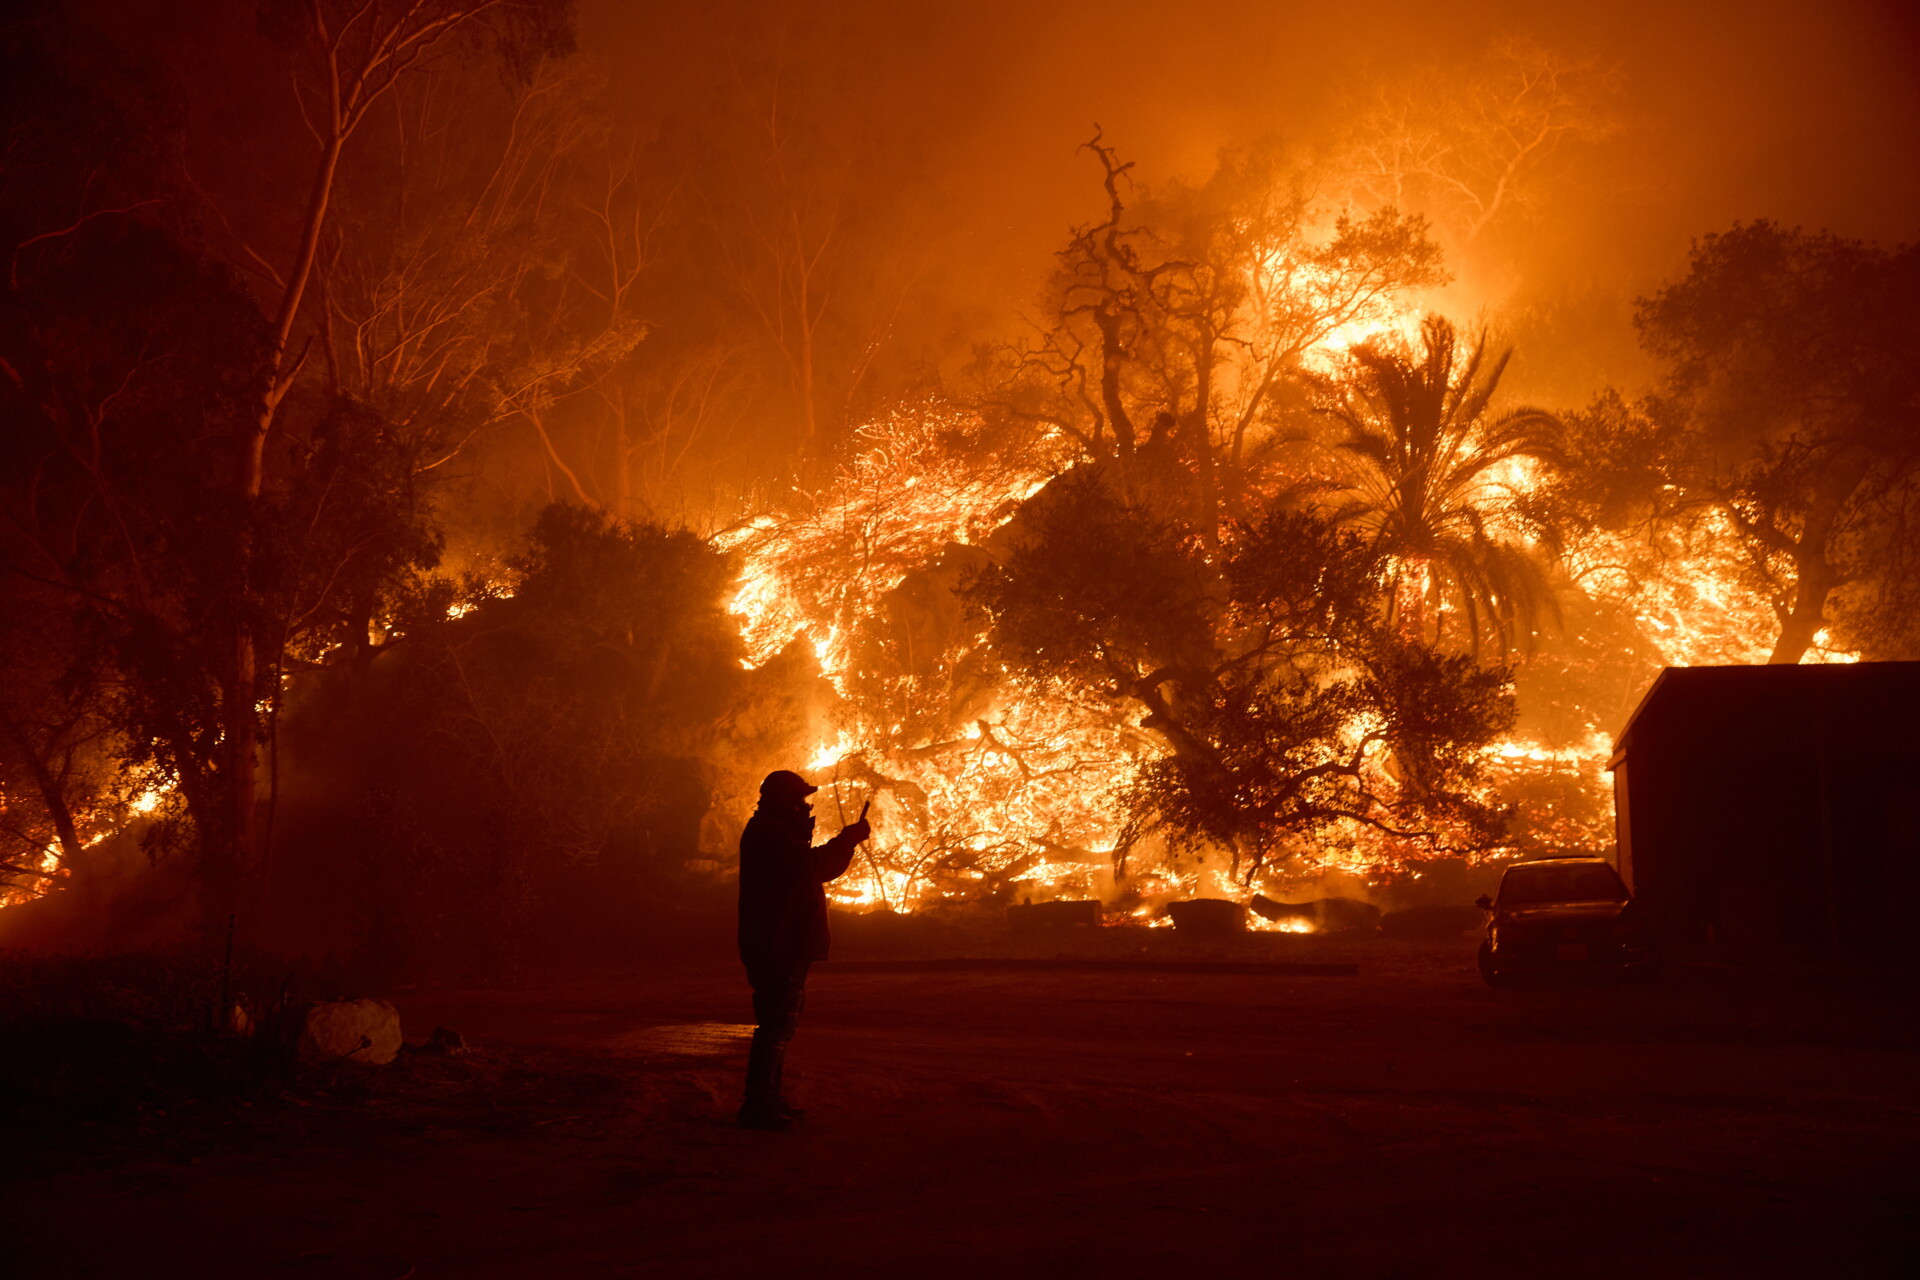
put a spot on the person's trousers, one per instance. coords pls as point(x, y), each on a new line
point(779, 994)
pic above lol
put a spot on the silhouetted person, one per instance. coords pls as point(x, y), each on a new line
point(783, 927)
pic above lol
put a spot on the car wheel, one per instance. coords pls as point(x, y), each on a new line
point(1490, 975)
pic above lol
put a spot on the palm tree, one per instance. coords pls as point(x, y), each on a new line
point(1422, 453)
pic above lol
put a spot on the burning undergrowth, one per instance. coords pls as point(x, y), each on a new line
point(1215, 584)
point(1007, 659)
point(1240, 573)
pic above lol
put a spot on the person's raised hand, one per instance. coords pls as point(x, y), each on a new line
point(861, 830)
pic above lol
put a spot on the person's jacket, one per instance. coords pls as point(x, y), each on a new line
point(783, 904)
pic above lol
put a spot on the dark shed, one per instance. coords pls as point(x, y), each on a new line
point(1773, 813)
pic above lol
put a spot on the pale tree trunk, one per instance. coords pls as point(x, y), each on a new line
point(350, 90)
point(232, 851)
point(809, 421)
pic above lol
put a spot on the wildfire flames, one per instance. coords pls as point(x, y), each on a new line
point(1020, 796)
point(143, 803)
point(982, 787)
point(1020, 793)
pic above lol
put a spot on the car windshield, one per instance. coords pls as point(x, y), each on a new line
point(1594, 882)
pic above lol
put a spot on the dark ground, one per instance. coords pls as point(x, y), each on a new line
point(1404, 1121)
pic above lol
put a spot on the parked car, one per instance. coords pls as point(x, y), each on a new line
point(1561, 915)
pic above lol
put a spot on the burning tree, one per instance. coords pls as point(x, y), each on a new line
point(1760, 506)
point(1282, 695)
point(1793, 385)
point(60, 789)
point(1425, 454)
point(1097, 614)
point(1176, 325)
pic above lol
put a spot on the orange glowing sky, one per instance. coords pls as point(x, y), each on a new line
point(1804, 112)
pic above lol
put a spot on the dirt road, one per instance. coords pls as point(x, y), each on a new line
point(1403, 1121)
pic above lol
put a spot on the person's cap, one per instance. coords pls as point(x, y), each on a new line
point(785, 784)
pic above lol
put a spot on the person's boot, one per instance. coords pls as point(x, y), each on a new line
point(780, 1104)
point(760, 1109)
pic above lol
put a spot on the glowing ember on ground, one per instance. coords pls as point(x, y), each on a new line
point(1286, 924)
